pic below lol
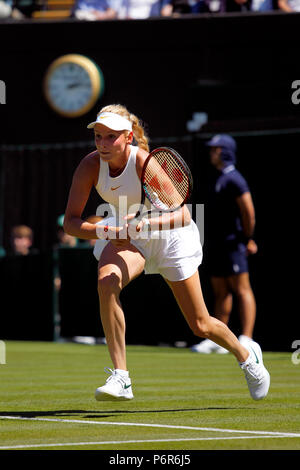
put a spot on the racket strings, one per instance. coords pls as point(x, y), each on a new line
point(166, 182)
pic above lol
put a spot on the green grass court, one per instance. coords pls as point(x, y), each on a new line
point(183, 401)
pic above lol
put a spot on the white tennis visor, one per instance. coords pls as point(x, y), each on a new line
point(112, 121)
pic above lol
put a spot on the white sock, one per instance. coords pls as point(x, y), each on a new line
point(246, 362)
point(124, 373)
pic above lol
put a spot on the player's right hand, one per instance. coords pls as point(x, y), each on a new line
point(251, 247)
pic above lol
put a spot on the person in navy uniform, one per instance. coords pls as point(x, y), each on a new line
point(230, 223)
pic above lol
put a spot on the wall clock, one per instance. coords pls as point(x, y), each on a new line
point(72, 85)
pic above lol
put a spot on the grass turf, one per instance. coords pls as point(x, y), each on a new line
point(172, 387)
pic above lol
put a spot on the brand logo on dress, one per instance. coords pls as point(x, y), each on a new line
point(117, 187)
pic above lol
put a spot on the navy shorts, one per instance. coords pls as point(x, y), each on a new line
point(227, 260)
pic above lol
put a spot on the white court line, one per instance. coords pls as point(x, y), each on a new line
point(167, 426)
point(66, 444)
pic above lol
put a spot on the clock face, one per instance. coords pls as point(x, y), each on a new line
point(72, 85)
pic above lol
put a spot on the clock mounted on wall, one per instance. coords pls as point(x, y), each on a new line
point(72, 85)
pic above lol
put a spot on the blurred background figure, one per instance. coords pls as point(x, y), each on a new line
point(10, 9)
point(22, 240)
point(64, 239)
point(93, 10)
point(2, 250)
point(182, 7)
point(229, 223)
point(141, 9)
point(262, 5)
point(289, 5)
point(247, 5)
point(5, 9)
point(176, 8)
point(23, 9)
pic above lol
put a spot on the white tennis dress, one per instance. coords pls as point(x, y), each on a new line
point(175, 254)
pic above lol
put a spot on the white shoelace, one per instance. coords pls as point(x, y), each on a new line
point(113, 376)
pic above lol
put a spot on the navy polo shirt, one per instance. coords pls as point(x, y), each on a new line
point(222, 214)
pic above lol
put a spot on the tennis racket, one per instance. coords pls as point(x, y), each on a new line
point(166, 181)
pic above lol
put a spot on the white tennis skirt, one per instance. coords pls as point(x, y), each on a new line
point(175, 254)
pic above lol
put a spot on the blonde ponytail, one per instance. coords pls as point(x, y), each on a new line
point(137, 127)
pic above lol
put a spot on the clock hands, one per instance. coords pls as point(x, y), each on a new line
point(77, 85)
point(73, 85)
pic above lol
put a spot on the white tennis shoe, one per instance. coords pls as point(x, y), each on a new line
point(245, 340)
point(257, 376)
point(207, 347)
point(117, 387)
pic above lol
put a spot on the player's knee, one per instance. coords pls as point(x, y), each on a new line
point(109, 285)
point(200, 328)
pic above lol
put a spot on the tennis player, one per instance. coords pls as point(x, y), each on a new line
point(115, 169)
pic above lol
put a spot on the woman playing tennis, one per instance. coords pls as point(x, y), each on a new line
point(115, 170)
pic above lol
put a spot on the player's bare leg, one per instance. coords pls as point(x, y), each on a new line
point(117, 267)
point(188, 294)
point(190, 299)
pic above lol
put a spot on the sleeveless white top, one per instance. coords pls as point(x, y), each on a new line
point(123, 191)
point(175, 254)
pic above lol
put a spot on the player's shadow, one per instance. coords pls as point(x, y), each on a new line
point(107, 413)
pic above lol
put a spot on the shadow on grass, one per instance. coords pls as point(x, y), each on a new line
point(106, 413)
